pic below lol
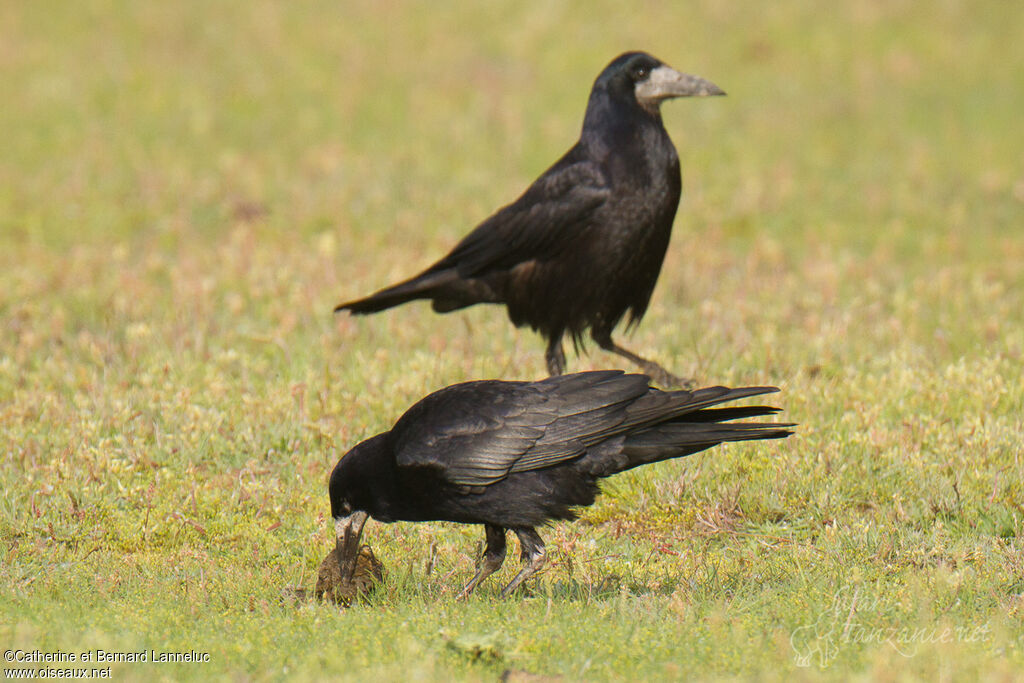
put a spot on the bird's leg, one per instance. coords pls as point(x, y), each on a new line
point(555, 356)
point(660, 375)
point(532, 555)
point(494, 556)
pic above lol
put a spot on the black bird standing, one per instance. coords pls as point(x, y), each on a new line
point(517, 455)
point(585, 243)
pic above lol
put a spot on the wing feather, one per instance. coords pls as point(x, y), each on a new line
point(552, 215)
point(477, 433)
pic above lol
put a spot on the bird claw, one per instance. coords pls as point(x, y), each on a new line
point(665, 379)
point(534, 558)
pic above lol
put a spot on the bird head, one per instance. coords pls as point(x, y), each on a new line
point(351, 502)
point(649, 82)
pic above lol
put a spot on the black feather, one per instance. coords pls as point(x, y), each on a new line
point(584, 244)
point(516, 455)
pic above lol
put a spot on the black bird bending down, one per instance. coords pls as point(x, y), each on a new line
point(517, 455)
point(585, 243)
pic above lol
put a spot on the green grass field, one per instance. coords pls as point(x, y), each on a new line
point(186, 190)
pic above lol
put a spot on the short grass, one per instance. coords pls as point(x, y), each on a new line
point(186, 189)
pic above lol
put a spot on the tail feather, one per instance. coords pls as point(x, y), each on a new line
point(671, 405)
point(735, 413)
point(423, 286)
point(675, 440)
point(691, 426)
point(678, 439)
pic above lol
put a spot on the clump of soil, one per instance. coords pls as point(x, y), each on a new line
point(329, 585)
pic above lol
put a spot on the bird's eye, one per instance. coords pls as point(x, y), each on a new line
point(640, 72)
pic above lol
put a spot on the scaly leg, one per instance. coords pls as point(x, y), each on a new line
point(494, 556)
point(660, 375)
point(555, 356)
point(532, 554)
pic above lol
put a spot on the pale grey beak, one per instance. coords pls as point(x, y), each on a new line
point(347, 531)
point(665, 83)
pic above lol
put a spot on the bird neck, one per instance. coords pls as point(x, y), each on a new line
point(613, 124)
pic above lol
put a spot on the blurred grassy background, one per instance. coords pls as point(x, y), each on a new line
point(186, 189)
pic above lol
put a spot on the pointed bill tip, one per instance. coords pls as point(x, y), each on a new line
point(347, 531)
point(665, 83)
point(701, 87)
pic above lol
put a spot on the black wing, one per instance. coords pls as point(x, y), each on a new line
point(553, 214)
point(478, 433)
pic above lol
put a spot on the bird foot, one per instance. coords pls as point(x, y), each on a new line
point(659, 375)
point(488, 567)
point(666, 380)
point(491, 561)
point(533, 565)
